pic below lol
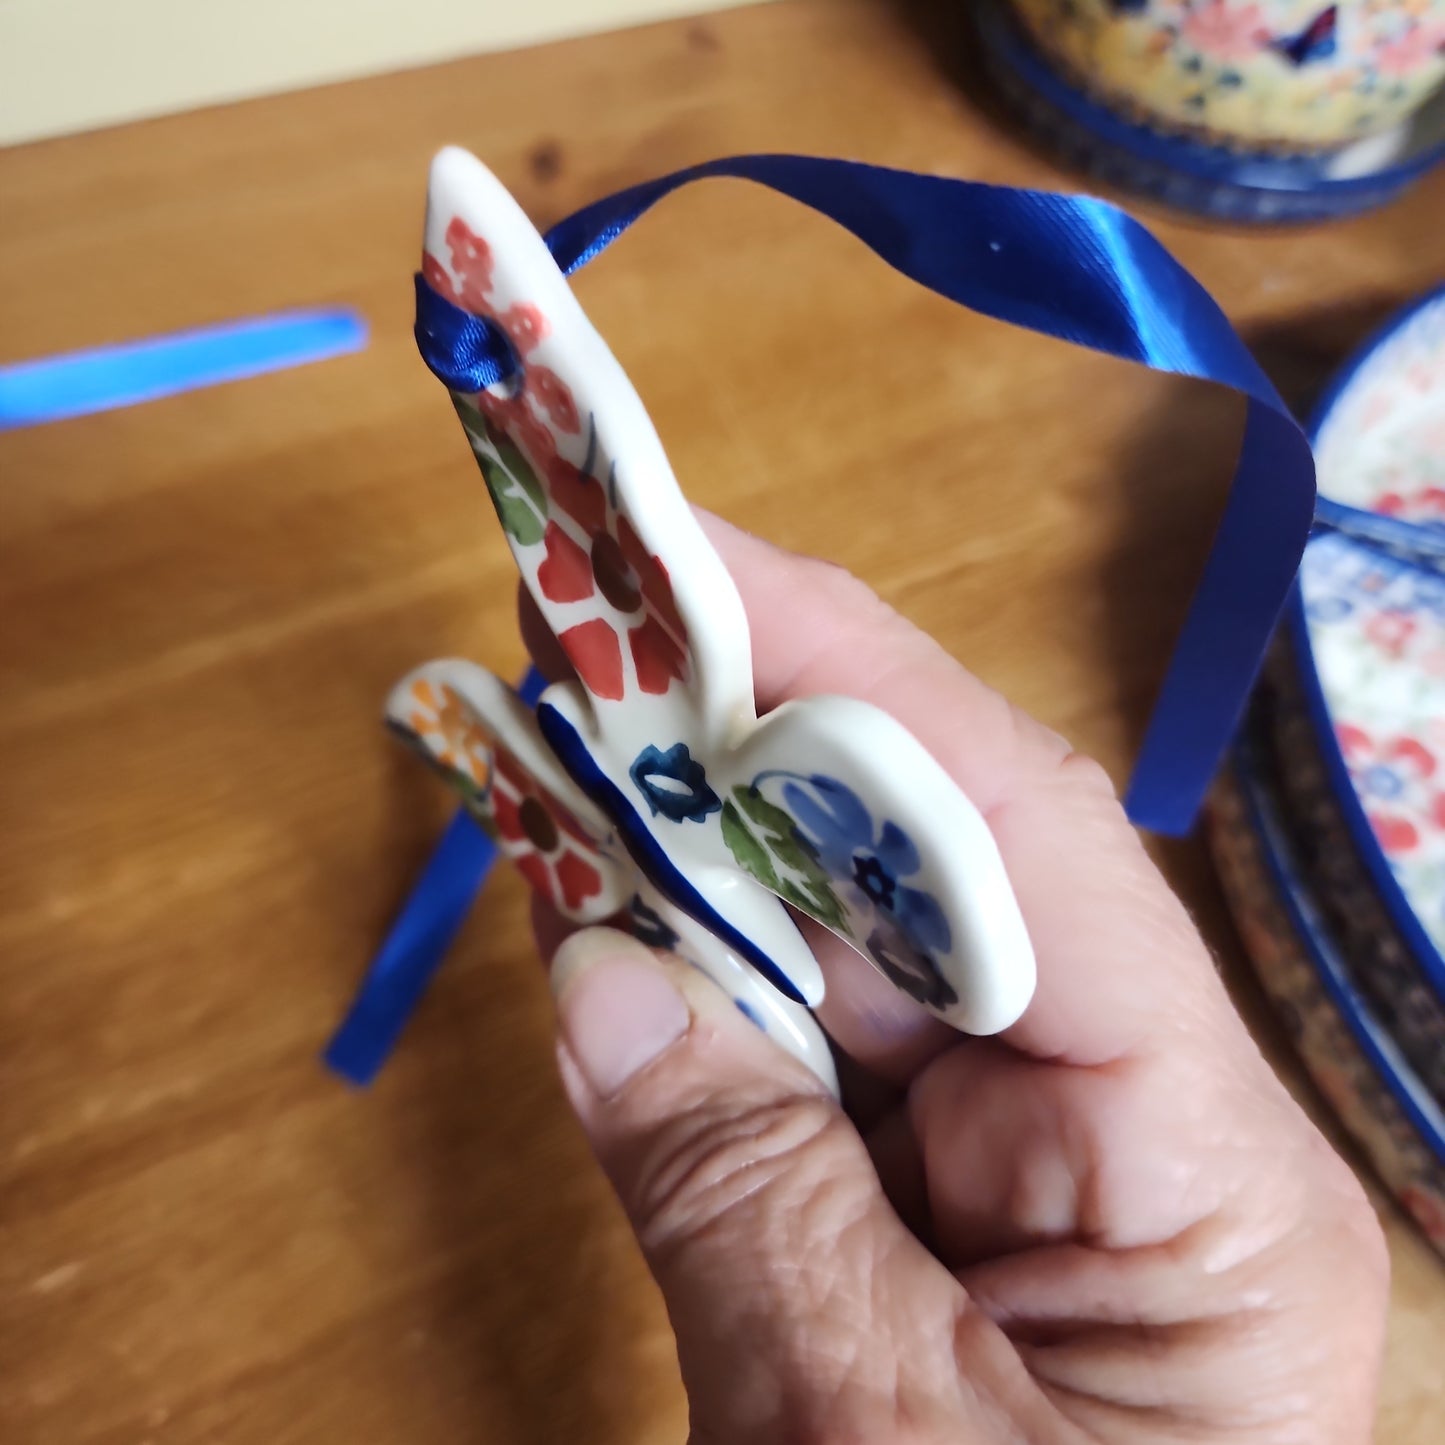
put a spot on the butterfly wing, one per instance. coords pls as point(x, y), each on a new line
point(838, 809)
point(664, 709)
point(1315, 42)
point(482, 738)
point(605, 542)
point(612, 555)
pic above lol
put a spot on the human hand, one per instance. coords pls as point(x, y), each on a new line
point(1110, 1224)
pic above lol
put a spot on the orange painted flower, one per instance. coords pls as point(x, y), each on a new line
point(448, 732)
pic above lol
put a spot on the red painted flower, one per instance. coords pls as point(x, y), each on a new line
point(1426, 505)
point(1376, 408)
point(1415, 48)
point(592, 551)
point(1225, 31)
point(472, 261)
point(541, 837)
point(549, 392)
point(1394, 778)
point(1391, 631)
point(601, 555)
point(525, 325)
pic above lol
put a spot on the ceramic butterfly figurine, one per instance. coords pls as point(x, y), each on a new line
point(649, 791)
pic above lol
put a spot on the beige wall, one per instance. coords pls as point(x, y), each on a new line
point(68, 65)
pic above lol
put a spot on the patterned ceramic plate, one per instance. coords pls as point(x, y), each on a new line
point(1351, 708)
point(1373, 625)
point(1348, 1051)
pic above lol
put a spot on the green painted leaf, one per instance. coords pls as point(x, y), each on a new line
point(780, 835)
point(760, 810)
point(780, 842)
point(521, 522)
point(818, 900)
point(495, 475)
point(798, 855)
point(751, 856)
point(517, 517)
point(522, 473)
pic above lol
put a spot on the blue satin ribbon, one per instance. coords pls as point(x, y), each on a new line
point(105, 378)
point(418, 941)
point(1070, 267)
point(468, 353)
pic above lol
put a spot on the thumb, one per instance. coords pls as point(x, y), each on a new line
point(799, 1300)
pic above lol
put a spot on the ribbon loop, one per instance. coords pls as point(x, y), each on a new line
point(464, 352)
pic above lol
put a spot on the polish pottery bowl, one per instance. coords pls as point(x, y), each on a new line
point(1244, 110)
point(1268, 75)
point(1336, 809)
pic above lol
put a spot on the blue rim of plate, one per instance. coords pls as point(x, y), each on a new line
point(1352, 812)
point(1212, 180)
point(1309, 925)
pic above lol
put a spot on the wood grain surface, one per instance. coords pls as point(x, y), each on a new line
point(203, 601)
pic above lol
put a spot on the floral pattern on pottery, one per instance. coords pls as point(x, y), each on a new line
point(436, 722)
point(549, 847)
point(1376, 624)
point(819, 849)
point(578, 867)
point(594, 562)
point(1384, 964)
point(1393, 1119)
point(1377, 636)
point(1381, 445)
point(1268, 75)
point(656, 750)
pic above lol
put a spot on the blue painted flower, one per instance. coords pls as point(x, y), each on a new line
point(1329, 609)
point(674, 785)
point(1382, 782)
point(908, 967)
point(835, 823)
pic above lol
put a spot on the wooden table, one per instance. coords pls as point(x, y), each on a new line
point(203, 1237)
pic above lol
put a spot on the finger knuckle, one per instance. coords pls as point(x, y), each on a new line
point(1088, 776)
point(718, 1158)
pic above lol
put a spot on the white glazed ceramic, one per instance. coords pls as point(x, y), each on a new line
point(653, 784)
